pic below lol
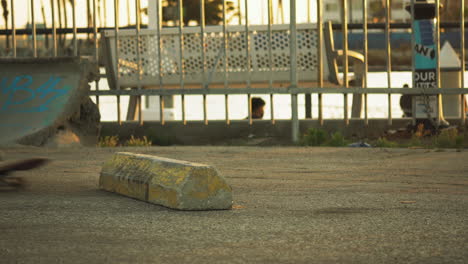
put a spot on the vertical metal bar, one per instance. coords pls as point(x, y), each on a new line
point(270, 58)
point(44, 22)
point(105, 12)
point(366, 62)
point(389, 57)
point(439, 96)
point(462, 46)
point(88, 18)
point(54, 29)
point(96, 47)
point(33, 24)
point(293, 71)
point(247, 58)
point(75, 38)
point(345, 58)
point(140, 69)
point(308, 96)
point(117, 66)
point(160, 66)
point(239, 15)
point(225, 48)
point(272, 109)
point(181, 57)
point(129, 20)
point(59, 8)
point(203, 57)
point(413, 62)
point(320, 58)
point(13, 27)
point(281, 11)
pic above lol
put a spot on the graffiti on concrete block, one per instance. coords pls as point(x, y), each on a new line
point(22, 96)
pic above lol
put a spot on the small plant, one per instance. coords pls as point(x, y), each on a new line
point(449, 138)
point(314, 137)
point(108, 141)
point(137, 142)
point(336, 140)
point(385, 143)
point(415, 141)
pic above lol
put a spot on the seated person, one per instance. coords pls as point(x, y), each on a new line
point(406, 103)
point(257, 107)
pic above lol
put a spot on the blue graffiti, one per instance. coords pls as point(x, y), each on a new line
point(44, 94)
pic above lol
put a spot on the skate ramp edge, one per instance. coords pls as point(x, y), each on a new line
point(37, 95)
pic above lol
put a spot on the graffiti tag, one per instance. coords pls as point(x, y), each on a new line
point(21, 97)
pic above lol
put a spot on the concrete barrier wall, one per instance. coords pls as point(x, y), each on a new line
point(39, 94)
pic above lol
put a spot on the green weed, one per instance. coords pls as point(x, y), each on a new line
point(108, 141)
point(385, 143)
point(138, 142)
point(449, 138)
point(336, 140)
point(314, 137)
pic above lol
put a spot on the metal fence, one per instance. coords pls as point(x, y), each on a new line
point(217, 61)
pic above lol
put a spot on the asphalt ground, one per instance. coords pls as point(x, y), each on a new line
point(291, 205)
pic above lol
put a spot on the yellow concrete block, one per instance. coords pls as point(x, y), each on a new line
point(172, 183)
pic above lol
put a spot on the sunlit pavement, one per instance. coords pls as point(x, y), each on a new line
point(291, 205)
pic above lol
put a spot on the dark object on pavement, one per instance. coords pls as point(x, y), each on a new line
point(15, 182)
point(360, 145)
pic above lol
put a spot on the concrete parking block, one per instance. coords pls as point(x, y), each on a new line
point(171, 183)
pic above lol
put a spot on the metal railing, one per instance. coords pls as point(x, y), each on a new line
point(294, 87)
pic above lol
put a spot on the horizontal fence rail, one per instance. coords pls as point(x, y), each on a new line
point(266, 90)
point(336, 26)
point(171, 50)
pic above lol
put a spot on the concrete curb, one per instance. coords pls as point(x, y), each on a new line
point(171, 183)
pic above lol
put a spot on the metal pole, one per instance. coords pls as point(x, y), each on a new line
point(462, 46)
point(13, 27)
point(270, 59)
point(96, 47)
point(75, 39)
point(345, 59)
point(366, 62)
point(181, 57)
point(117, 72)
point(129, 20)
point(413, 62)
point(140, 69)
point(203, 57)
point(105, 12)
point(54, 29)
point(225, 47)
point(320, 58)
point(308, 96)
point(247, 58)
point(44, 22)
point(293, 71)
point(239, 15)
point(33, 24)
point(160, 67)
point(5, 17)
point(439, 97)
point(59, 9)
point(389, 58)
point(88, 18)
